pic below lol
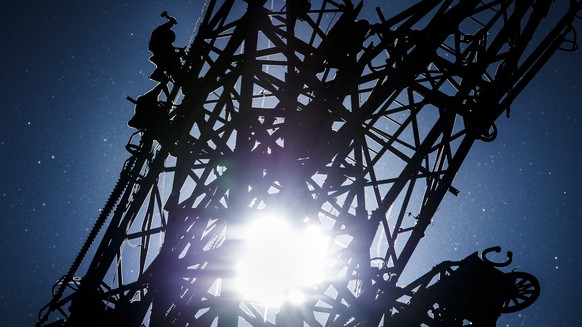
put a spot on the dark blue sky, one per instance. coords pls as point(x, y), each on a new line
point(66, 69)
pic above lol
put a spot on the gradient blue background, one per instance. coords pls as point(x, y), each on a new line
point(67, 66)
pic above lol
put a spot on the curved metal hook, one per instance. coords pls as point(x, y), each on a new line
point(497, 249)
point(489, 134)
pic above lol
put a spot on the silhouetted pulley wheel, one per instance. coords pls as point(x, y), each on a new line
point(524, 292)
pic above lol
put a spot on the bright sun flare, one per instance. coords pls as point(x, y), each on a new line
point(280, 262)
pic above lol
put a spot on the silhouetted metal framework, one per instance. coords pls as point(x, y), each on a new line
point(279, 108)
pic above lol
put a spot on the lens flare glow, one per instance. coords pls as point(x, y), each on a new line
point(280, 262)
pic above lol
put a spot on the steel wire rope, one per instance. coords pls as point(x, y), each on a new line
point(199, 21)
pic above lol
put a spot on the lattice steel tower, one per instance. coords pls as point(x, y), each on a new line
point(305, 111)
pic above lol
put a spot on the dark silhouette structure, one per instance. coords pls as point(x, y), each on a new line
point(277, 109)
point(166, 57)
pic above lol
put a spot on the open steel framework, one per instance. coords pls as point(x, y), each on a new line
point(305, 109)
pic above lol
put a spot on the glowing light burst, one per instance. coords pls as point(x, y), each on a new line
point(280, 262)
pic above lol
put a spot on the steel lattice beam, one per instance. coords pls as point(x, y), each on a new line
point(282, 109)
